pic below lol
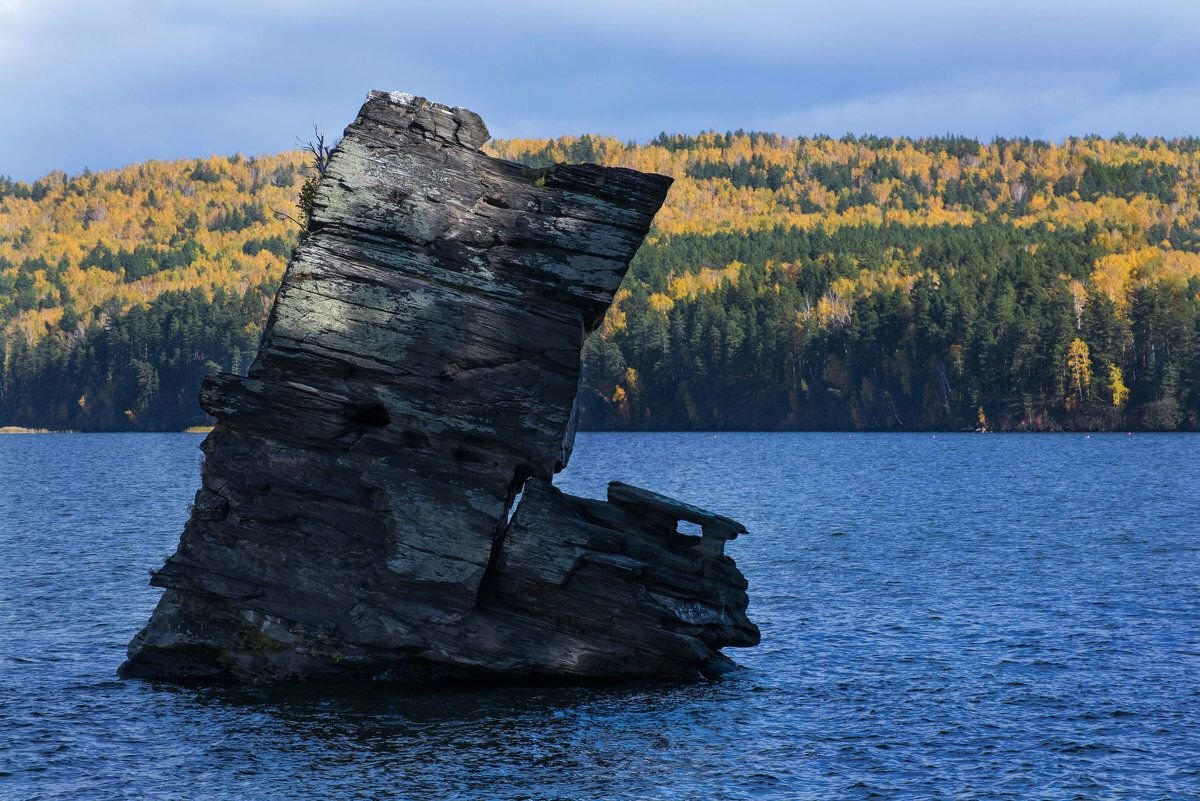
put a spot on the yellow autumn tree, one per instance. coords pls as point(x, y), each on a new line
point(1116, 386)
point(1079, 373)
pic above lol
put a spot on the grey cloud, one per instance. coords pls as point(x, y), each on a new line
point(101, 84)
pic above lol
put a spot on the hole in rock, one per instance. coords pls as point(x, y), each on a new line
point(516, 501)
point(371, 414)
point(516, 490)
point(687, 533)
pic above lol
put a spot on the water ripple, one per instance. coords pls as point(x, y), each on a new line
point(1000, 617)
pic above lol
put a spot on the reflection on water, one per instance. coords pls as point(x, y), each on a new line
point(949, 616)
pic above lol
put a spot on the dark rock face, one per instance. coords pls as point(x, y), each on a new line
point(419, 369)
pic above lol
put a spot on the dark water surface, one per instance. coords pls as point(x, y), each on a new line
point(958, 616)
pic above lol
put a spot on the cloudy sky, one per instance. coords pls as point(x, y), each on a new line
point(102, 83)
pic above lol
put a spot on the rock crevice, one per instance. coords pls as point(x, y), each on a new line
point(417, 374)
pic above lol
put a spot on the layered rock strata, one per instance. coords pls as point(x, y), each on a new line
point(418, 371)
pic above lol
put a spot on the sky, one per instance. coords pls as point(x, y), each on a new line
point(103, 83)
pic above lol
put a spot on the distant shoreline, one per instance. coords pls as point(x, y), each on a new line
point(713, 432)
point(23, 430)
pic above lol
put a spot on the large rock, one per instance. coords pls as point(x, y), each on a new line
point(419, 369)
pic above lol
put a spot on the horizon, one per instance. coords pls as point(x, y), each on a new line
point(848, 136)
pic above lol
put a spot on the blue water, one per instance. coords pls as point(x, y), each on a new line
point(950, 616)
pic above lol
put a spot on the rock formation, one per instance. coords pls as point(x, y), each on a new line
point(418, 371)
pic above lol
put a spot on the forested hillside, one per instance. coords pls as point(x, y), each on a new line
point(854, 283)
point(120, 290)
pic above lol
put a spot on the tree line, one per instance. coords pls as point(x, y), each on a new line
point(789, 283)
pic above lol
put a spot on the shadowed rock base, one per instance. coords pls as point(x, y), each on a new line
point(417, 373)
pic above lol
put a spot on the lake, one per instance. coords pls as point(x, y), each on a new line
point(943, 616)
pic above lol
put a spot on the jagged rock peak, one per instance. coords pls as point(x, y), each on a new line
point(452, 124)
point(418, 370)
